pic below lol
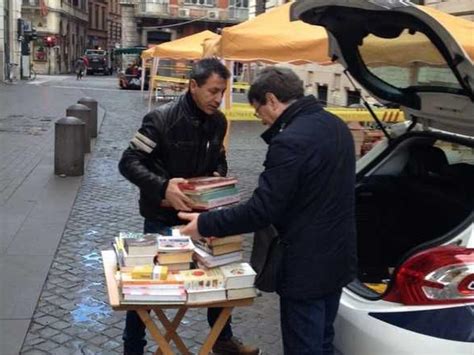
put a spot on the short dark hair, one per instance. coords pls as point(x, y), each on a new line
point(204, 68)
point(281, 82)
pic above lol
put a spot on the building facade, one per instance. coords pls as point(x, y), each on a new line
point(461, 8)
point(10, 49)
point(63, 21)
point(147, 22)
point(97, 31)
point(114, 25)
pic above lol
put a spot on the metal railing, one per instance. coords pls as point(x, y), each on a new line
point(160, 8)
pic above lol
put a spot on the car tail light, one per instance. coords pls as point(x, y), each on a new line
point(441, 275)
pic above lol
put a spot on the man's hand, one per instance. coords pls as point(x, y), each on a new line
point(176, 198)
point(191, 228)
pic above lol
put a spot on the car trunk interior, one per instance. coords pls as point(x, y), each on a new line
point(421, 192)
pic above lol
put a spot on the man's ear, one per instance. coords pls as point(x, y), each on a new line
point(271, 99)
point(192, 85)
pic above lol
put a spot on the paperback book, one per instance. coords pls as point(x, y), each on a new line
point(238, 275)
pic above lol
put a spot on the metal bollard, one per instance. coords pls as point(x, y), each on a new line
point(92, 104)
point(69, 136)
point(83, 113)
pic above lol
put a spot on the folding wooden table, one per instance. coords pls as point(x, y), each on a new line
point(110, 268)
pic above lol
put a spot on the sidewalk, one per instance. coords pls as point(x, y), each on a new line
point(34, 203)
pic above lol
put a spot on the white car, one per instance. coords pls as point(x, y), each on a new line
point(415, 190)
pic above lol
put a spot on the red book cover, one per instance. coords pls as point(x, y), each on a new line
point(207, 182)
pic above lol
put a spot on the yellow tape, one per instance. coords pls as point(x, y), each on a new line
point(245, 112)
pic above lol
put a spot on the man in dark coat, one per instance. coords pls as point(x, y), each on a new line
point(179, 140)
point(307, 192)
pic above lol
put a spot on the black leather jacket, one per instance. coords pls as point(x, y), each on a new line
point(175, 140)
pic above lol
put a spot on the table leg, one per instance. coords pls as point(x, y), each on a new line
point(216, 330)
point(171, 328)
point(155, 332)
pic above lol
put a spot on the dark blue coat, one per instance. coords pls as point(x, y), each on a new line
point(307, 192)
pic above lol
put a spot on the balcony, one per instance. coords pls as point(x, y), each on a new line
point(162, 9)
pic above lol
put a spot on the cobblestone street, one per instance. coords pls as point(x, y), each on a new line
point(72, 315)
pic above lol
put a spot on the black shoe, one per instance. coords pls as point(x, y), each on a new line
point(234, 346)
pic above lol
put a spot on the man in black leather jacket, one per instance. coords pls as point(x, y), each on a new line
point(179, 140)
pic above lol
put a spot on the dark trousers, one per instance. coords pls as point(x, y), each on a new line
point(134, 333)
point(307, 325)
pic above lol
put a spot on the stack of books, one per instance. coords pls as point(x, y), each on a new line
point(151, 284)
point(203, 285)
point(211, 192)
point(176, 252)
point(134, 249)
point(239, 279)
point(213, 252)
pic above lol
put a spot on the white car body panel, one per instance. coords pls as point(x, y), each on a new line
point(357, 333)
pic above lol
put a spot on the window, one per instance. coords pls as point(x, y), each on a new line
point(200, 2)
point(422, 65)
point(353, 97)
point(97, 9)
point(239, 3)
point(323, 94)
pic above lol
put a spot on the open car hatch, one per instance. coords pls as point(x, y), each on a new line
point(410, 55)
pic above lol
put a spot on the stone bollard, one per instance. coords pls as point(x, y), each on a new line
point(83, 113)
point(69, 137)
point(92, 104)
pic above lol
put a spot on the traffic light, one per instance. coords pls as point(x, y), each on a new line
point(31, 35)
point(20, 28)
point(50, 41)
point(25, 48)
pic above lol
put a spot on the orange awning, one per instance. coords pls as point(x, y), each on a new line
point(409, 49)
point(272, 37)
point(186, 48)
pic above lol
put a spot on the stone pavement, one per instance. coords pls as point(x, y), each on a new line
point(34, 204)
point(72, 315)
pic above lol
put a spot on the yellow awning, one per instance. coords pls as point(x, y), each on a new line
point(409, 49)
point(147, 54)
point(186, 48)
point(272, 37)
point(461, 29)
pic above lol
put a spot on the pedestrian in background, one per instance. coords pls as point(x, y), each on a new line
point(179, 140)
point(80, 68)
point(307, 193)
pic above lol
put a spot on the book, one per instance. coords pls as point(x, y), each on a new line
point(239, 293)
point(206, 295)
point(213, 241)
point(179, 266)
point(210, 261)
point(199, 279)
point(218, 249)
point(137, 260)
point(205, 195)
point(174, 258)
point(145, 245)
point(174, 244)
point(217, 202)
point(238, 275)
point(181, 297)
point(126, 280)
point(207, 183)
point(142, 272)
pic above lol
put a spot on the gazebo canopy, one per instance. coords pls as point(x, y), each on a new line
point(408, 49)
point(272, 37)
point(186, 48)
